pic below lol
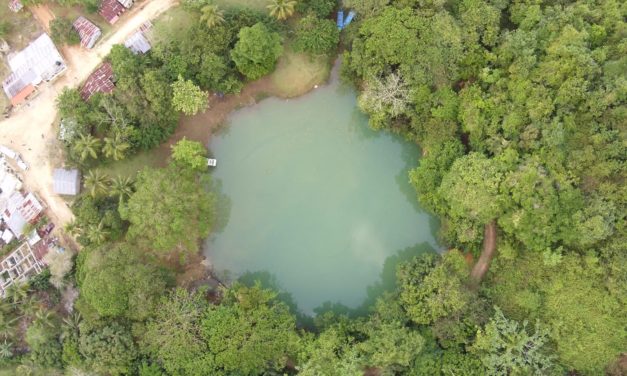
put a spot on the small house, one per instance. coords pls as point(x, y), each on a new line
point(40, 61)
point(99, 81)
point(66, 182)
point(20, 209)
point(111, 10)
point(137, 43)
point(87, 31)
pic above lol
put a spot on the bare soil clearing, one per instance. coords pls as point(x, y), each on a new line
point(30, 129)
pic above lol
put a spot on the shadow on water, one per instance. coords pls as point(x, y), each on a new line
point(223, 203)
point(386, 283)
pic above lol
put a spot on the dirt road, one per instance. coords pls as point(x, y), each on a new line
point(489, 249)
point(30, 130)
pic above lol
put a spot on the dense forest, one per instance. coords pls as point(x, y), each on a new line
point(519, 108)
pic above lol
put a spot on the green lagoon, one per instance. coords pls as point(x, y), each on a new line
point(317, 202)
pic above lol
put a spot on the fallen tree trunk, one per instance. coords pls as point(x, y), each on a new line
point(489, 249)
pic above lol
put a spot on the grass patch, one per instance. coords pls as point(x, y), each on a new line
point(171, 25)
point(250, 4)
point(297, 73)
point(133, 164)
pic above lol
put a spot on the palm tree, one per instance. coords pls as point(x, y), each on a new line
point(115, 147)
point(96, 183)
point(30, 307)
point(45, 318)
point(6, 326)
point(73, 228)
point(281, 9)
point(212, 15)
point(87, 146)
point(121, 187)
point(97, 234)
point(6, 349)
point(18, 292)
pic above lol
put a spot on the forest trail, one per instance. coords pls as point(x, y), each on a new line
point(30, 129)
point(488, 252)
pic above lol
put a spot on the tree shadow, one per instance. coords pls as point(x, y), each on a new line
point(386, 283)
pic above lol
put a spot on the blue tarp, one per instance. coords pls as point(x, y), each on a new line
point(349, 18)
point(340, 19)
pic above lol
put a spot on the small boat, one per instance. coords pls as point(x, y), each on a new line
point(212, 162)
point(349, 18)
point(340, 19)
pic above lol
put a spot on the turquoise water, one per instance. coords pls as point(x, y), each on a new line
point(316, 201)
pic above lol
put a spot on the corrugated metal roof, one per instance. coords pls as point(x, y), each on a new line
point(39, 61)
point(99, 81)
point(66, 182)
point(137, 43)
point(87, 31)
point(111, 10)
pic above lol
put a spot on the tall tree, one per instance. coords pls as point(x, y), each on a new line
point(87, 146)
point(115, 147)
point(211, 15)
point(187, 97)
point(190, 154)
point(96, 183)
point(507, 348)
point(256, 52)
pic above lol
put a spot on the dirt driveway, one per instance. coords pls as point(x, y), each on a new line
point(30, 130)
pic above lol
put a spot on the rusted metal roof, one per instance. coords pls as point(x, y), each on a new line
point(99, 81)
point(87, 31)
point(111, 10)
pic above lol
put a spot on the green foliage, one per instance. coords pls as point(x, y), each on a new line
point(571, 298)
point(470, 190)
point(316, 36)
point(109, 349)
point(507, 348)
point(319, 8)
point(42, 337)
point(427, 177)
point(211, 15)
point(187, 97)
point(116, 282)
point(256, 52)
point(62, 32)
point(174, 335)
point(281, 9)
point(250, 331)
point(429, 290)
point(190, 154)
point(170, 210)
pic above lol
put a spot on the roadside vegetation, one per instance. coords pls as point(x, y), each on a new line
point(520, 111)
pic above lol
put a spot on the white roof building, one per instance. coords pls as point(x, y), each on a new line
point(39, 61)
point(66, 182)
point(137, 43)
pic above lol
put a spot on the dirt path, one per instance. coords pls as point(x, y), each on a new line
point(30, 130)
point(43, 15)
point(489, 250)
